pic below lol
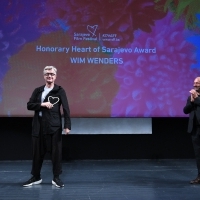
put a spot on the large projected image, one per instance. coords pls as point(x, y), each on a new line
point(115, 58)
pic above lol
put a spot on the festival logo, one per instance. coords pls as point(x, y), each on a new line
point(92, 29)
point(91, 34)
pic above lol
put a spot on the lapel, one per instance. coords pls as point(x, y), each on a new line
point(39, 93)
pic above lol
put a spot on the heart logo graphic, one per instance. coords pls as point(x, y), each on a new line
point(92, 29)
point(53, 100)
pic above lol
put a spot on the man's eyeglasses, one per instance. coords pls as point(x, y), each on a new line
point(49, 74)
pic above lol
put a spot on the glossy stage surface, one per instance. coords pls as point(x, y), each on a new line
point(103, 180)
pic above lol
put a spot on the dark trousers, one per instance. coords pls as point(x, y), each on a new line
point(51, 143)
point(196, 145)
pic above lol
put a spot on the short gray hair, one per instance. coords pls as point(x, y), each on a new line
point(49, 68)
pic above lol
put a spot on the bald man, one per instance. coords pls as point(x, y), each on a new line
point(192, 108)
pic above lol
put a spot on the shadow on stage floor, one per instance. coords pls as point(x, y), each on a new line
point(103, 180)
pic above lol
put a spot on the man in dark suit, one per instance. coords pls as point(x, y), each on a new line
point(47, 126)
point(192, 108)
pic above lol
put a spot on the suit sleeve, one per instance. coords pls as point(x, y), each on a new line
point(66, 110)
point(33, 104)
point(189, 106)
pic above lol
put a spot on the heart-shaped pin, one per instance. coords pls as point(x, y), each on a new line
point(92, 29)
point(53, 100)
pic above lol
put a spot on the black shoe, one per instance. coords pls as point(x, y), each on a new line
point(195, 181)
point(57, 182)
point(32, 181)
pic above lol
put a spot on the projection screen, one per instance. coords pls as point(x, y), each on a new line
point(115, 58)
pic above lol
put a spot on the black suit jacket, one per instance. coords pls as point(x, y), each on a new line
point(192, 108)
point(51, 118)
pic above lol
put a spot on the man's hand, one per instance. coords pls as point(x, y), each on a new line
point(194, 94)
point(66, 131)
point(47, 105)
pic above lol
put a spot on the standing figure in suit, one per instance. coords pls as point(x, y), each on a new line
point(47, 126)
point(192, 108)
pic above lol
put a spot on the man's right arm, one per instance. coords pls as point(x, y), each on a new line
point(32, 103)
point(189, 106)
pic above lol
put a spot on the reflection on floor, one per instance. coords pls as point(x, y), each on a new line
point(103, 180)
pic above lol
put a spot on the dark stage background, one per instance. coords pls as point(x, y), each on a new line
point(169, 140)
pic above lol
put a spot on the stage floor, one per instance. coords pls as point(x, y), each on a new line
point(103, 180)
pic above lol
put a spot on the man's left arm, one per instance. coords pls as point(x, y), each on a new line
point(66, 111)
